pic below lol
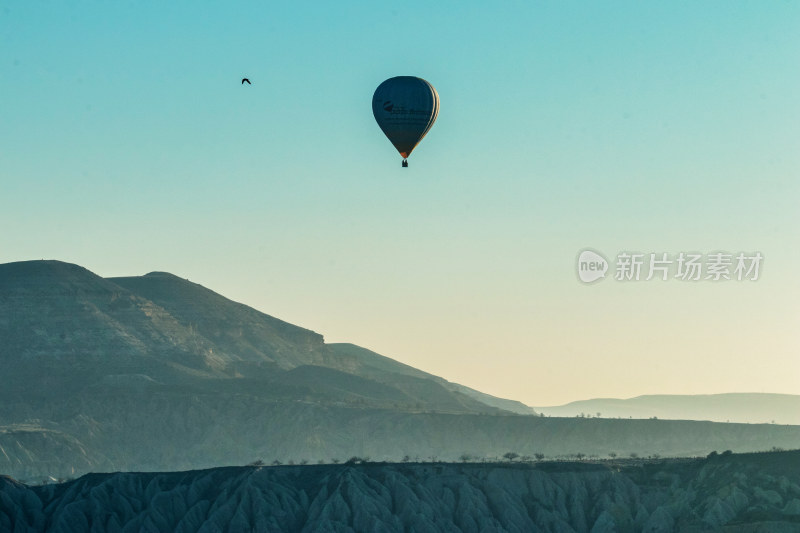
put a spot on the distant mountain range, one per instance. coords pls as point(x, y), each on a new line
point(747, 408)
point(158, 373)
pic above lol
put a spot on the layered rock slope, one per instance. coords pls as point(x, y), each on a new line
point(725, 493)
point(158, 373)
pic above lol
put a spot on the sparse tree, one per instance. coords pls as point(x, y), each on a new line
point(335, 461)
point(276, 463)
point(613, 455)
point(633, 455)
point(257, 462)
point(539, 456)
point(510, 456)
point(465, 457)
point(304, 461)
point(406, 458)
point(598, 414)
point(580, 456)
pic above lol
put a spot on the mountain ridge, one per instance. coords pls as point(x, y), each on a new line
point(158, 373)
point(74, 327)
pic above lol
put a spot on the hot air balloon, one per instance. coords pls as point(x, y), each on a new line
point(405, 108)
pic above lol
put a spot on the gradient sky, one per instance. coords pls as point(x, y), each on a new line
point(128, 145)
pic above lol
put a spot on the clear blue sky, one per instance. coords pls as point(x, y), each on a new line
point(128, 144)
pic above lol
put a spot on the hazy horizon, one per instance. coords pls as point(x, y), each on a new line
point(131, 146)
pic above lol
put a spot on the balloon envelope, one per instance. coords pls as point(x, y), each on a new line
point(405, 108)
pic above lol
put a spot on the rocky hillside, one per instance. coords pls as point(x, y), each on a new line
point(749, 493)
point(158, 373)
point(64, 330)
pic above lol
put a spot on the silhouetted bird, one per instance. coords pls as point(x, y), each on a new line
point(246, 80)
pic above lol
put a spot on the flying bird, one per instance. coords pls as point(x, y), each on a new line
point(246, 80)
